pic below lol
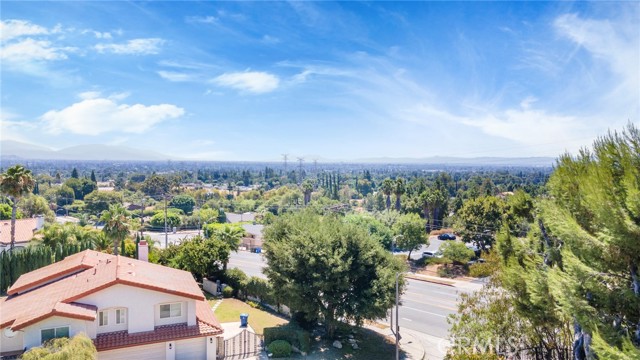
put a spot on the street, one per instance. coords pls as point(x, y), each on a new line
point(425, 306)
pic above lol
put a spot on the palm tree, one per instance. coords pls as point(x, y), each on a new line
point(116, 224)
point(16, 183)
point(307, 189)
point(387, 189)
point(398, 190)
point(230, 235)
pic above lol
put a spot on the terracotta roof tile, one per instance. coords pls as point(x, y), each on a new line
point(34, 304)
point(24, 230)
point(204, 313)
point(120, 339)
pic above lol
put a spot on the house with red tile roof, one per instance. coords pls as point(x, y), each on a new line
point(131, 309)
point(25, 230)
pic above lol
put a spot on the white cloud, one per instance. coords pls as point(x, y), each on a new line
point(101, 115)
point(33, 50)
point(615, 42)
point(202, 19)
point(98, 34)
point(175, 76)
point(88, 95)
point(135, 47)
point(10, 29)
point(250, 81)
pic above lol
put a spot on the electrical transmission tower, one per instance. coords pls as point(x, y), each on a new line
point(285, 157)
point(300, 161)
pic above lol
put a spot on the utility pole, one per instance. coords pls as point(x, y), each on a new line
point(166, 232)
point(397, 318)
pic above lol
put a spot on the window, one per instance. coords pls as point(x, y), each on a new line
point(170, 310)
point(121, 316)
point(103, 318)
point(48, 334)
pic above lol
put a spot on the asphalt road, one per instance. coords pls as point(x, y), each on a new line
point(425, 306)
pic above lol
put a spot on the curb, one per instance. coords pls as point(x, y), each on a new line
point(419, 278)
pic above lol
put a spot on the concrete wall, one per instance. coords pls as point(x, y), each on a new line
point(143, 306)
point(210, 286)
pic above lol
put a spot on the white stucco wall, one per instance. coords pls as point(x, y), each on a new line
point(143, 307)
point(32, 332)
point(14, 343)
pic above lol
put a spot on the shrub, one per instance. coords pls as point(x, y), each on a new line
point(290, 333)
point(480, 270)
point(280, 349)
point(446, 272)
point(304, 341)
point(422, 262)
point(227, 292)
point(237, 279)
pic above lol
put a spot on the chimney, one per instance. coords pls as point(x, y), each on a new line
point(143, 251)
point(39, 222)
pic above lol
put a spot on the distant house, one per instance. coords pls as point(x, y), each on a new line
point(131, 309)
point(253, 236)
point(236, 218)
point(505, 194)
point(25, 229)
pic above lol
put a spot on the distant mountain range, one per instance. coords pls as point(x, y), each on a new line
point(19, 150)
point(459, 161)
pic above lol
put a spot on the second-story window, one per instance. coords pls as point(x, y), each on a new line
point(170, 310)
point(103, 318)
point(121, 316)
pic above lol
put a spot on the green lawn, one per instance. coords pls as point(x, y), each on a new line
point(230, 310)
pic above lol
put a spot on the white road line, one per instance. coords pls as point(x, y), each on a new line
point(422, 311)
point(407, 319)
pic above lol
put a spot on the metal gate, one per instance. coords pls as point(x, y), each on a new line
point(242, 346)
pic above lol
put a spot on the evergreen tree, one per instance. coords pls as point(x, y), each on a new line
point(93, 176)
point(74, 173)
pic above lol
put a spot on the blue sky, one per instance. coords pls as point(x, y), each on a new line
point(327, 80)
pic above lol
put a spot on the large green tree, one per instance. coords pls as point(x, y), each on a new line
point(387, 188)
point(479, 220)
point(16, 182)
point(186, 203)
point(572, 283)
point(203, 257)
point(116, 224)
point(409, 233)
point(329, 269)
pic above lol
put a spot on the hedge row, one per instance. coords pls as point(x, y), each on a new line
point(291, 333)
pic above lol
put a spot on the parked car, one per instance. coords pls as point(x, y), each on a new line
point(446, 236)
point(478, 260)
point(430, 254)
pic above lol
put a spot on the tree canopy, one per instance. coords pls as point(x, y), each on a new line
point(329, 269)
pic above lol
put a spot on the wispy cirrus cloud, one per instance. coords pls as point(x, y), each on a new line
point(176, 76)
point(147, 46)
point(250, 81)
point(14, 28)
point(97, 115)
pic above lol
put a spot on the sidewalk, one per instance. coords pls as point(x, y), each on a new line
point(468, 284)
point(411, 346)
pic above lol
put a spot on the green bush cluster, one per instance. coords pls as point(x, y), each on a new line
point(227, 292)
point(280, 349)
point(290, 333)
point(481, 270)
